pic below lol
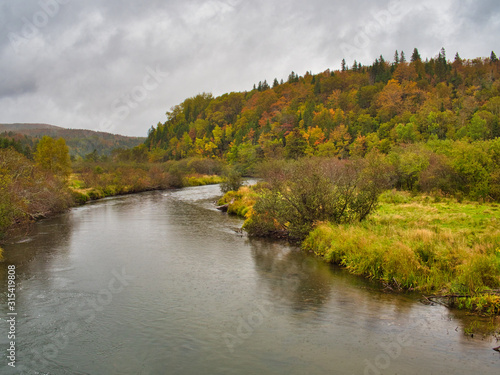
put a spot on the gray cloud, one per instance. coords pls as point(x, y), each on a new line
point(88, 64)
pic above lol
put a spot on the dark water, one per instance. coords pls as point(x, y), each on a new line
point(160, 283)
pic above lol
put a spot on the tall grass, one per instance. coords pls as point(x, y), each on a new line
point(435, 247)
point(93, 180)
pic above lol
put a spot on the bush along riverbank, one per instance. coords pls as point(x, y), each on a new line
point(47, 183)
point(104, 180)
point(446, 250)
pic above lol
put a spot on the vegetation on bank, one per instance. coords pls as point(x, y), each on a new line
point(435, 244)
point(94, 180)
point(47, 182)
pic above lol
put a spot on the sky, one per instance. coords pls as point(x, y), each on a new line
point(119, 65)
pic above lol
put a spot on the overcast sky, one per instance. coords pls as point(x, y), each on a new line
point(119, 65)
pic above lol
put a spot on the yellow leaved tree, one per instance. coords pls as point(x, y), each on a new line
point(53, 155)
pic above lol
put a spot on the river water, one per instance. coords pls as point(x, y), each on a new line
point(162, 283)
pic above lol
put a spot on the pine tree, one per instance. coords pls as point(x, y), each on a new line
point(344, 65)
point(493, 57)
point(402, 58)
point(317, 86)
point(293, 77)
point(396, 57)
point(442, 54)
point(415, 56)
point(275, 83)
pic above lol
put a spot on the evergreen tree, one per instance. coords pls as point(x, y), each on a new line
point(441, 65)
point(396, 57)
point(415, 56)
point(402, 58)
point(317, 87)
point(493, 57)
point(275, 83)
point(343, 65)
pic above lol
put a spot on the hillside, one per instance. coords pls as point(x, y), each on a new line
point(80, 141)
point(340, 113)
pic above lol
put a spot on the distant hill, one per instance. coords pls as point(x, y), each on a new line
point(21, 128)
point(80, 141)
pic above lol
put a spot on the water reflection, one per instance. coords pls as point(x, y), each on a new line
point(290, 277)
point(35, 253)
point(194, 280)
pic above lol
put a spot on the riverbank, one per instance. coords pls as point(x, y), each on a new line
point(29, 193)
point(86, 189)
point(433, 245)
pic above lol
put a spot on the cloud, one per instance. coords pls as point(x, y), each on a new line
point(79, 64)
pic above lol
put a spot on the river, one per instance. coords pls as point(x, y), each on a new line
point(163, 283)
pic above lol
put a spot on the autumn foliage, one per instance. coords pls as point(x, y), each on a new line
point(387, 106)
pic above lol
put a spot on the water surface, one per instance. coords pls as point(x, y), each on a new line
point(162, 283)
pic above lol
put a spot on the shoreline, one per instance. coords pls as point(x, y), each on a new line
point(80, 197)
point(442, 249)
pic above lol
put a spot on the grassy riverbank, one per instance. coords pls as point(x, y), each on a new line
point(430, 244)
point(31, 190)
point(98, 182)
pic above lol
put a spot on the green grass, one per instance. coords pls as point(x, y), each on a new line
point(241, 201)
point(200, 180)
point(101, 183)
point(419, 243)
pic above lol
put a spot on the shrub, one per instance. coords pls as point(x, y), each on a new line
point(300, 193)
point(231, 181)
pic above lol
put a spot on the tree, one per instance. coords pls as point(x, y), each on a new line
point(402, 59)
point(300, 193)
point(396, 57)
point(295, 145)
point(231, 181)
point(415, 56)
point(493, 57)
point(53, 155)
point(343, 65)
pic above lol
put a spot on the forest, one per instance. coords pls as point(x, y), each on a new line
point(437, 120)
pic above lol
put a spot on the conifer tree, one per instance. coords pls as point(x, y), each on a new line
point(415, 56)
point(343, 65)
point(493, 57)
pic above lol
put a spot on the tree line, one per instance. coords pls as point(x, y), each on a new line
point(339, 113)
